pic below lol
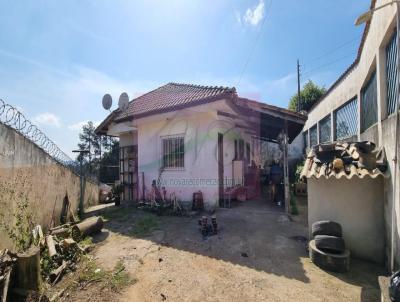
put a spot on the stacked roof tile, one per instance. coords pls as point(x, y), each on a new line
point(348, 160)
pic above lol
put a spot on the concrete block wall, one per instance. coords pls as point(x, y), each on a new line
point(26, 170)
point(373, 58)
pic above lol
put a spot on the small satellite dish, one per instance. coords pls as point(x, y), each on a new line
point(123, 102)
point(107, 101)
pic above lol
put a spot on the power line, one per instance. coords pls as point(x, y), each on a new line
point(254, 46)
point(327, 64)
point(333, 50)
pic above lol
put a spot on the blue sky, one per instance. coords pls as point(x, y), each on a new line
point(58, 58)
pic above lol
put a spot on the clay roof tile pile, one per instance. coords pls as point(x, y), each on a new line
point(337, 160)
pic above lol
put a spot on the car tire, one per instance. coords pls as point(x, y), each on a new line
point(339, 263)
point(326, 227)
point(330, 244)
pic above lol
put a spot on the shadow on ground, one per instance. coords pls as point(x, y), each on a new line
point(260, 238)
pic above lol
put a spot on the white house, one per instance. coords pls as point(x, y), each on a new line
point(193, 138)
point(361, 106)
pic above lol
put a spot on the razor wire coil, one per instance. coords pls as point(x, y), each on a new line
point(12, 117)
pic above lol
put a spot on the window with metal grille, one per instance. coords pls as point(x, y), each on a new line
point(391, 74)
point(346, 120)
point(313, 136)
point(173, 152)
point(369, 105)
point(305, 139)
point(325, 129)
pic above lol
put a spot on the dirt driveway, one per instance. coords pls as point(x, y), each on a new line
point(259, 255)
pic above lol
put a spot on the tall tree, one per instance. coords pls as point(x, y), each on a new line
point(103, 151)
point(308, 95)
point(89, 141)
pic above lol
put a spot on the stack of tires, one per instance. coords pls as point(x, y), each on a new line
point(327, 248)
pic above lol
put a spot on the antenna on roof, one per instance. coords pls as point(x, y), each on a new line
point(107, 101)
point(123, 102)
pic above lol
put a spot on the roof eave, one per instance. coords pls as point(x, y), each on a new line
point(103, 127)
point(228, 95)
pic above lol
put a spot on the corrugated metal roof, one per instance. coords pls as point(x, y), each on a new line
point(345, 160)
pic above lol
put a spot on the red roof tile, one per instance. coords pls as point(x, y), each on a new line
point(173, 96)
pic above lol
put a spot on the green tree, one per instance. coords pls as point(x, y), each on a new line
point(309, 95)
point(103, 153)
point(90, 141)
point(109, 163)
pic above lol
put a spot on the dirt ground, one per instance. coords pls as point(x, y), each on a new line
point(258, 255)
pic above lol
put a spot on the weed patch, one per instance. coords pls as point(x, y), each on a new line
point(145, 225)
point(114, 280)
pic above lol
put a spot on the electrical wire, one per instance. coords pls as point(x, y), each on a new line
point(307, 72)
point(333, 50)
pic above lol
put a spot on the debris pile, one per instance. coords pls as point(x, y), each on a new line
point(345, 159)
point(48, 258)
point(7, 262)
point(61, 250)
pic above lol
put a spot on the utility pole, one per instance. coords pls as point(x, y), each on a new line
point(298, 107)
point(81, 197)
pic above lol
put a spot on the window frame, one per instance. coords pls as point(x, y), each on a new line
point(367, 86)
point(330, 129)
point(335, 132)
point(315, 126)
point(391, 75)
point(305, 140)
point(173, 152)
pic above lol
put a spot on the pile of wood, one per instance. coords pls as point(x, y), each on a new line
point(47, 260)
point(7, 262)
point(62, 249)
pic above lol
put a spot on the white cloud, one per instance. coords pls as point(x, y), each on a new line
point(78, 126)
point(48, 119)
point(254, 16)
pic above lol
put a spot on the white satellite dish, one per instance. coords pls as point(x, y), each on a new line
point(107, 101)
point(123, 102)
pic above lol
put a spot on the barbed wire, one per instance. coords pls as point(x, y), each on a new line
point(12, 117)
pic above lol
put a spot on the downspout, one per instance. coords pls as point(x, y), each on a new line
point(396, 142)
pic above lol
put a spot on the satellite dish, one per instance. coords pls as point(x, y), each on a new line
point(107, 101)
point(123, 102)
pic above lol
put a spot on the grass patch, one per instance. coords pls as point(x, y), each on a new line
point(120, 278)
point(114, 280)
point(120, 214)
point(135, 222)
point(86, 241)
point(293, 204)
point(145, 225)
